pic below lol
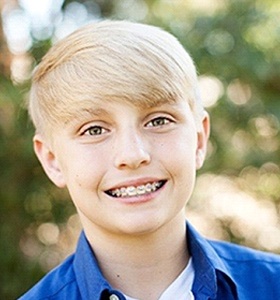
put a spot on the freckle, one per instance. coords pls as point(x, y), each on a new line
point(118, 276)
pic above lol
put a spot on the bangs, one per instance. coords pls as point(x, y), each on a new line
point(82, 85)
point(113, 61)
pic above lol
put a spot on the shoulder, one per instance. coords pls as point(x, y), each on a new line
point(240, 254)
point(254, 272)
point(57, 284)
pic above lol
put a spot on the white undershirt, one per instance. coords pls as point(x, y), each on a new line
point(180, 288)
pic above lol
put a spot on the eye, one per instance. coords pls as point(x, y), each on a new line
point(158, 122)
point(94, 130)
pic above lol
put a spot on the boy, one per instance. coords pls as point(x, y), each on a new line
point(119, 123)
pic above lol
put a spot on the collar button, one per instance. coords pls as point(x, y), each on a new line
point(114, 297)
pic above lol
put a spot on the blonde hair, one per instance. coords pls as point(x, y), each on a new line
point(111, 60)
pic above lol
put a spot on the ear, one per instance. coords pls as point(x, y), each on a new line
point(48, 160)
point(202, 139)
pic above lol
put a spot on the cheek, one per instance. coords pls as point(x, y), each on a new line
point(180, 150)
point(181, 159)
point(87, 169)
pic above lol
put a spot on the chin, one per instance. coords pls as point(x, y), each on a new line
point(139, 226)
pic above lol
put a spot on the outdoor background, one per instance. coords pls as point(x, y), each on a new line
point(236, 47)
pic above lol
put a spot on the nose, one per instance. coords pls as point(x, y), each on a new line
point(131, 150)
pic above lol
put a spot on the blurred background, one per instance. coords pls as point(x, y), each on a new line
point(236, 47)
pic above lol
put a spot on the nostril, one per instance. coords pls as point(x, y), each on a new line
point(132, 162)
point(133, 159)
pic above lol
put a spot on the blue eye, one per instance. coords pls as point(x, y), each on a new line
point(158, 122)
point(94, 130)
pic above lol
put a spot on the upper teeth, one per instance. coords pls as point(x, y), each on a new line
point(135, 190)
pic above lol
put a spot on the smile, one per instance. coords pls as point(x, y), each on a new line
point(132, 191)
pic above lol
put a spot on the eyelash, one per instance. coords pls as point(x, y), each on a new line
point(157, 122)
point(162, 122)
point(92, 130)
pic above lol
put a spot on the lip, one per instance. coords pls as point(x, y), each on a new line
point(137, 198)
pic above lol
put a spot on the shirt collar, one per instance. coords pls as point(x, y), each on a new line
point(90, 280)
point(209, 268)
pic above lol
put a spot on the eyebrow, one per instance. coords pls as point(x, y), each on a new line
point(93, 111)
point(90, 112)
point(161, 99)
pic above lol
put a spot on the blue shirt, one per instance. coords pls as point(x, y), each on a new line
point(223, 271)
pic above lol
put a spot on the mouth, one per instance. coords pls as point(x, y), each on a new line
point(134, 191)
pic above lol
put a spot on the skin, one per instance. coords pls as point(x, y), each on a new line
point(114, 145)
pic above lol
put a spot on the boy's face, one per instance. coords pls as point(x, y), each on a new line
point(129, 170)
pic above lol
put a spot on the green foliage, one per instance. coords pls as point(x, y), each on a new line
point(235, 44)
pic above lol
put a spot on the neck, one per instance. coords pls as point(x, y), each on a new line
point(153, 260)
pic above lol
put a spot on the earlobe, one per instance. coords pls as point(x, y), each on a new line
point(202, 139)
point(48, 160)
